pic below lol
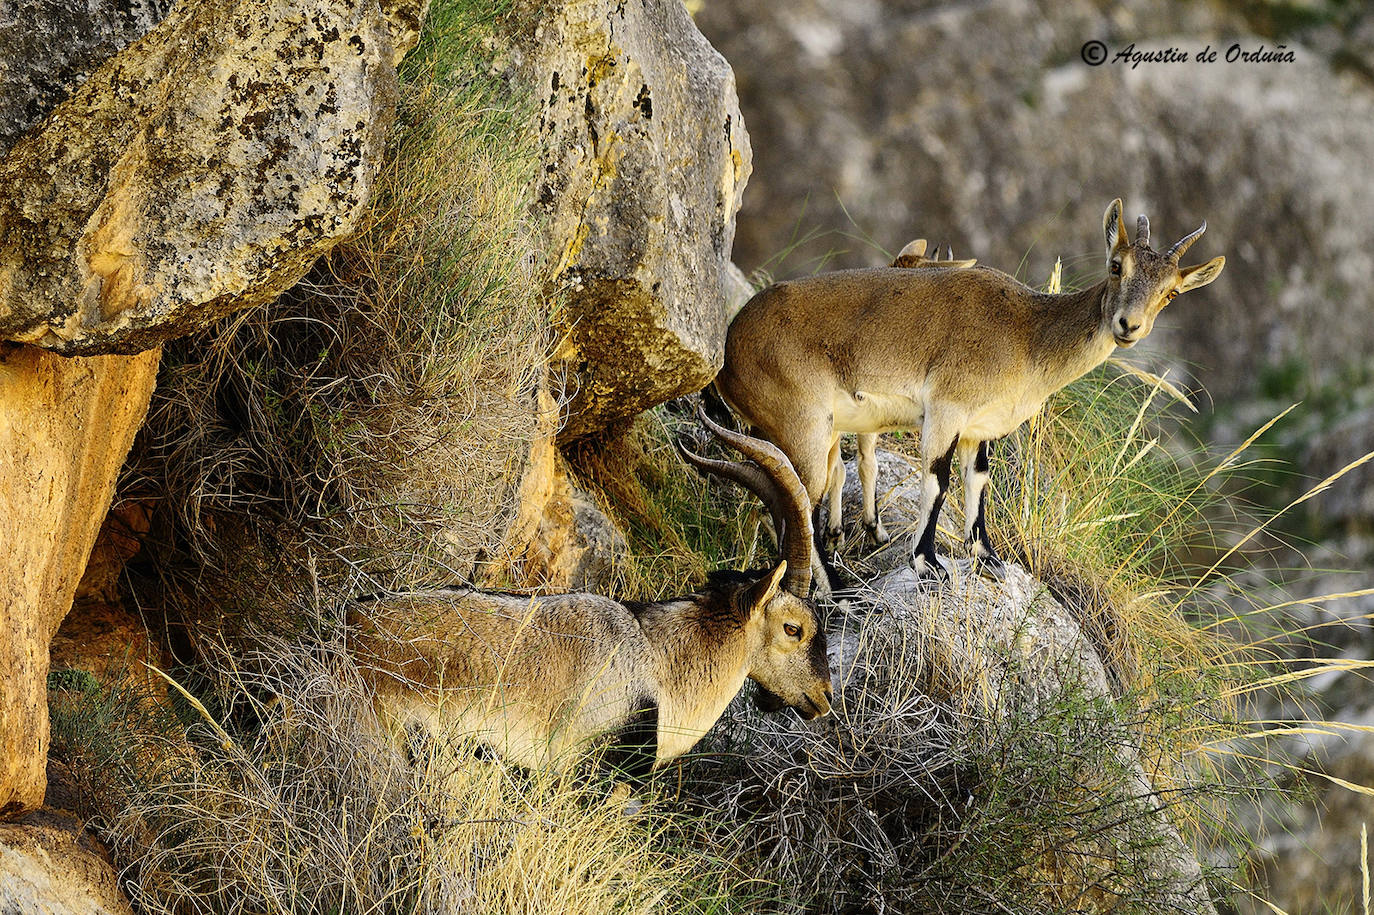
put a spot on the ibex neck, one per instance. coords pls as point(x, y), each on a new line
point(1073, 337)
point(700, 649)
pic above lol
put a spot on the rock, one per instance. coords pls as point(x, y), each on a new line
point(198, 172)
point(645, 161)
point(55, 45)
point(404, 18)
point(65, 427)
point(47, 867)
point(946, 696)
point(560, 540)
point(980, 122)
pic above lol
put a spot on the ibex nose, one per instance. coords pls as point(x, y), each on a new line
point(1127, 328)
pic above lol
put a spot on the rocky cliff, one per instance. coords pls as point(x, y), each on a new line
point(190, 175)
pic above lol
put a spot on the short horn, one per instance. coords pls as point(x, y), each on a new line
point(1186, 242)
point(786, 498)
point(949, 252)
point(1142, 229)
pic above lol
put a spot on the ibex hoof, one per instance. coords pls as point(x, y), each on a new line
point(988, 563)
point(929, 568)
point(833, 541)
point(992, 567)
point(878, 533)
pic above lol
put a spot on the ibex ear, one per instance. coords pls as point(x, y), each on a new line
point(1201, 275)
point(915, 248)
point(762, 592)
point(1114, 227)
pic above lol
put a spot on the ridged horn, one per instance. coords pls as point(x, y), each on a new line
point(1186, 242)
point(1142, 229)
point(771, 478)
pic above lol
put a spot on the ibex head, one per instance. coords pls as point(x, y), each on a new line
point(791, 666)
point(788, 658)
point(1141, 281)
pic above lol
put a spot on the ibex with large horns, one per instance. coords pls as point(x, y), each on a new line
point(537, 678)
point(965, 355)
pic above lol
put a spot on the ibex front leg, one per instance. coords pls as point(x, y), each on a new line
point(973, 458)
point(934, 485)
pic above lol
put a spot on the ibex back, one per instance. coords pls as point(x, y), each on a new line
point(964, 355)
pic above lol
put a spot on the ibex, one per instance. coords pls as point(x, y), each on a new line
point(964, 355)
point(911, 256)
point(535, 678)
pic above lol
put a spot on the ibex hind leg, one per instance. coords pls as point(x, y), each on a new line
point(868, 481)
point(974, 460)
point(833, 540)
point(934, 485)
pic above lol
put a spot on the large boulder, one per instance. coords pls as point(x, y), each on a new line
point(55, 46)
point(48, 867)
point(65, 427)
point(645, 161)
point(950, 701)
point(198, 172)
point(981, 123)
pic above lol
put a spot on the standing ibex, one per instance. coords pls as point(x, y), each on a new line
point(964, 355)
point(537, 677)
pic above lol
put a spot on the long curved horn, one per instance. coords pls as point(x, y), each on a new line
point(1186, 242)
point(1142, 230)
point(750, 476)
point(784, 495)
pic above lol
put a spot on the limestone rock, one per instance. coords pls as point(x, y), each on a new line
point(54, 46)
point(930, 680)
point(980, 123)
point(48, 868)
point(198, 172)
point(560, 539)
point(65, 427)
point(645, 161)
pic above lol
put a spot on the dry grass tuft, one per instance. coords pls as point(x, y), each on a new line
point(279, 792)
point(370, 427)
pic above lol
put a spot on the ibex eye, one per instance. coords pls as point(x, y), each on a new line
point(792, 629)
point(1171, 294)
point(1116, 268)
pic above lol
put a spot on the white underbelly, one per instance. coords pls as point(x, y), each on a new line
point(993, 421)
point(865, 411)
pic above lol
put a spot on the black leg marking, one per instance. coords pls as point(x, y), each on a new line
point(980, 463)
point(987, 557)
point(925, 550)
point(632, 750)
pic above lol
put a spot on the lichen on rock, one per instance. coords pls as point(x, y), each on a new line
point(645, 159)
point(198, 172)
